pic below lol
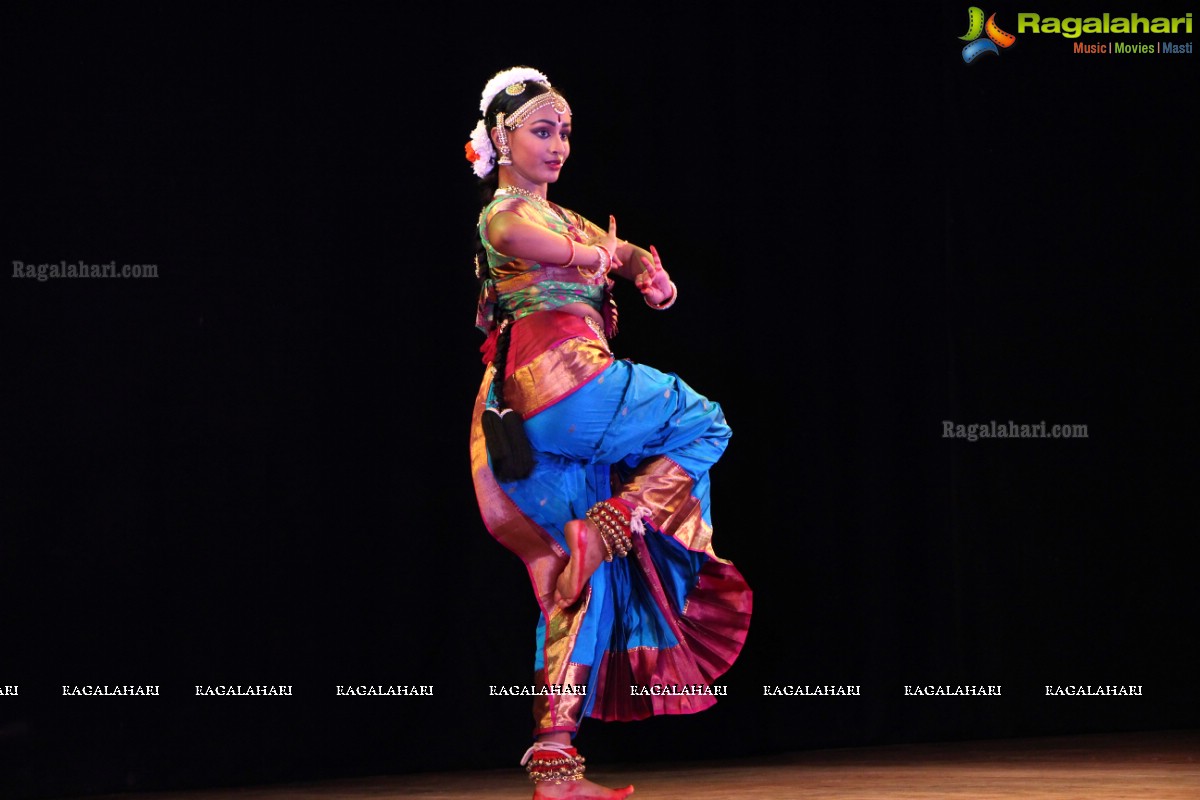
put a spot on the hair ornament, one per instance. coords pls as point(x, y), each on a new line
point(502, 80)
point(480, 151)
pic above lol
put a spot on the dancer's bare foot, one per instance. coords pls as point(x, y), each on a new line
point(587, 553)
point(579, 789)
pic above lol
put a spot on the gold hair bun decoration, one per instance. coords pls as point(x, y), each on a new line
point(516, 89)
point(502, 80)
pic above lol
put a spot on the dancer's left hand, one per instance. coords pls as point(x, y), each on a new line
point(654, 283)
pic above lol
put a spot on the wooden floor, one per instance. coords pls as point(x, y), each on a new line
point(1154, 766)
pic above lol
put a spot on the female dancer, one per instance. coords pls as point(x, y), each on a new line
point(607, 503)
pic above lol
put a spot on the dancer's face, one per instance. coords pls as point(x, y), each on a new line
point(540, 147)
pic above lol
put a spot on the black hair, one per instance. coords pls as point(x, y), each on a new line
point(506, 103)
point(508, 446)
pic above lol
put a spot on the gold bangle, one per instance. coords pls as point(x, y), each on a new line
point(664, 305)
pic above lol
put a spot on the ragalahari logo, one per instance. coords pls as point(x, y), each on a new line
point(996, 38)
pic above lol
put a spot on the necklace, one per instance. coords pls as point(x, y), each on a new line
point(517, 190)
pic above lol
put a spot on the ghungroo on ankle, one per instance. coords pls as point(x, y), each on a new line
point(550, 762)
point(616, 521)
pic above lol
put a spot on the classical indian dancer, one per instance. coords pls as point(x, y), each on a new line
point(593, 470)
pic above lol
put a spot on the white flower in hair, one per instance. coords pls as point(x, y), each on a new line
point(481, 147)
point(502, 80)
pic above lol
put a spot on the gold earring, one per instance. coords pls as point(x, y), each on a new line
point(502, 138)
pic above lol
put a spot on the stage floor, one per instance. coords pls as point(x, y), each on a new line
point(1155, 766)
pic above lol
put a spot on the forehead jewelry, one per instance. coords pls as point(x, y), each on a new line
point(481, 151)
point(517, 118)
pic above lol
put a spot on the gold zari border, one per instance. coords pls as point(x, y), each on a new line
point(555, 374)
point(665, 487)
point(543, 558)
point(565, 713)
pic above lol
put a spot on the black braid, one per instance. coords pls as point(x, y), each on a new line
point(500, 362)
point(508, 447)
point(503, 428)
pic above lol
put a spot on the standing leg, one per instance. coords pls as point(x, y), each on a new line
point(526, 517)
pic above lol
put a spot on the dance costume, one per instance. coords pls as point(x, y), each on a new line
point(652, 631)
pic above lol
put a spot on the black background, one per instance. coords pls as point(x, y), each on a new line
point(253, 468)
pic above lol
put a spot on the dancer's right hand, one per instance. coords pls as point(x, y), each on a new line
point(609, 241)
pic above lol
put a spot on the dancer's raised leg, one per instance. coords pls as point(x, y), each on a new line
point(587, 554)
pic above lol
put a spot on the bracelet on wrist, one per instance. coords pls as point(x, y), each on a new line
point(605, 259)
point(664, 305)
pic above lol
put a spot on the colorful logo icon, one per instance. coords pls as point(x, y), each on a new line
point(976, 27)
